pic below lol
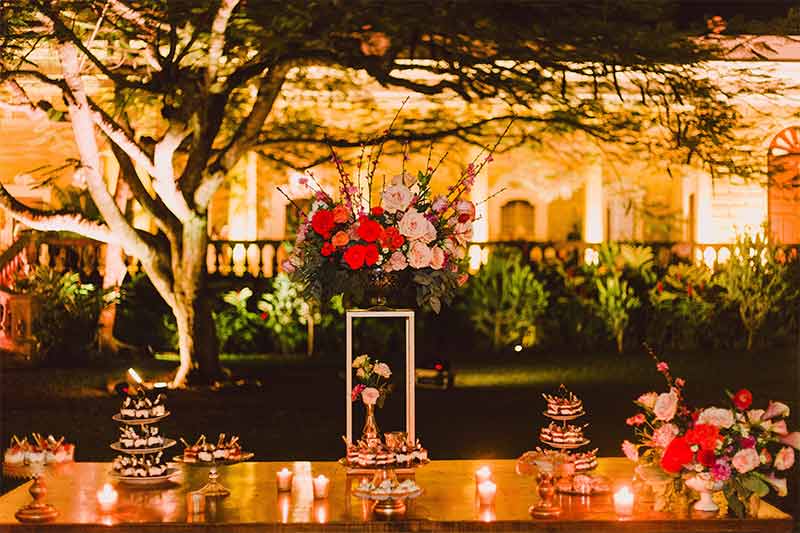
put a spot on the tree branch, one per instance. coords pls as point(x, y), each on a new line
point(54, 220)
point(216, 43)
point(144, 23)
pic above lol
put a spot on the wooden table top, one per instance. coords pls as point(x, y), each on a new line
point(448, 504)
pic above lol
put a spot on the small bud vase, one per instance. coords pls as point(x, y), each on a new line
point(370, 433)
point(705, 486)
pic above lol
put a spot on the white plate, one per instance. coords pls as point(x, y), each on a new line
point(145, 481)
point(138, 421)
point(168, 443)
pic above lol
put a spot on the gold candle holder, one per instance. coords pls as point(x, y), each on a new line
point(37, 511)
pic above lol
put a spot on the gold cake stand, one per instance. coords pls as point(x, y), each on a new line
point(392, 504)
point(37, 511)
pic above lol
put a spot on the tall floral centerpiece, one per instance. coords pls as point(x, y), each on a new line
point(742, 451)
point(372, 387)
point(376, 239)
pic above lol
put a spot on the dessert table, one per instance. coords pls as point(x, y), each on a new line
point(449, 503)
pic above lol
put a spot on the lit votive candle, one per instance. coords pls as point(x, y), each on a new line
point(107, 497)
point(623, 501)
point(482, 474)
point(321, 487)
point(284, 480)
point(486, 492)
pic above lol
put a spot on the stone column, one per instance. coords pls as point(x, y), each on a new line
point(594, 211)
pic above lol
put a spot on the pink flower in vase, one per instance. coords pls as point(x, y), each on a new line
point(396, 198)
point(746, 460)
point(437, 258)
point(666, 406)
point(397, 261)
point(419, 256)
point(630, 450)
point(784, 459)
point(370, 396)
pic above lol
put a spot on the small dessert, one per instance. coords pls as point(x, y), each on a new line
point(585, 461)
point(568, 434)
point(14, 456)
point(128, 410)
point(563, 404)
point(206, 452)
point(143, 466)
point(158, 408)
point(154, 440)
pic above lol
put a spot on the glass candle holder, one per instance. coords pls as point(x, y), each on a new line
point(284, 480)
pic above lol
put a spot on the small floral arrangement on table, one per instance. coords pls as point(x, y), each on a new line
point(403, 228)
point(744, 452)
point(372, 381)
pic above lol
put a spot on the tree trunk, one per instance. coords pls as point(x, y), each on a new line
point(197, 338)
point(620, 338)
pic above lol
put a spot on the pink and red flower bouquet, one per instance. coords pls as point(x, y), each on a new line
point(745, 450)
point(403, 229)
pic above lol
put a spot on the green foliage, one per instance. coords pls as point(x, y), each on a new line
point(615, 300)
point(754, 282)
point(143, 318)
point(66, 316)
point(238, 328)
point(681, 304)
point(505, 301)
point(286, 313)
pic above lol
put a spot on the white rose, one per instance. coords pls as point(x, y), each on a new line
point(716, 416)
point(383, 370)
point(666, 406)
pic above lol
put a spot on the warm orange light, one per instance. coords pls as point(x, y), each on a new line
point(321, 512)
point(284, 477)
point(487, 513)
point(321, 487)
point(486, 492)
point(284, 503)
point(482, 474)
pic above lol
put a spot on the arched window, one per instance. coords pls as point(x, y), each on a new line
point(517, 221)
point(783, 199)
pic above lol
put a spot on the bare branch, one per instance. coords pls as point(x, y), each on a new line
point(147, 24)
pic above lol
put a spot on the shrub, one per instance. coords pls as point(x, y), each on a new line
point(505, 301)
point(286, 314)
point(143, 317)
point(681, 305)
point(754, 282)
point(238, 328)
point(615, 300)
point(65, 323)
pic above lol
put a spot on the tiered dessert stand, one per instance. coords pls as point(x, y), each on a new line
point(564, 419)
point(117, 446)
point(214, 488)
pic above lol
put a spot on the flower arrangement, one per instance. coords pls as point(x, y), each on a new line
point(400, 229)
point(745, 452)
point(372, 381)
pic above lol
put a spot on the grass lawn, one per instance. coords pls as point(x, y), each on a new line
point(494, 410)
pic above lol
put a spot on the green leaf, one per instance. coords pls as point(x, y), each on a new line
point(755, 485)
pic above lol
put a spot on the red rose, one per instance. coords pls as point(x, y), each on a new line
point(743, 399)
point(264, 316)
point(703, 435)
point(677, 454)
point(370, 254)
point(377, 211)
point(328, 249)
point(391, 238)
point(354, 256)
point(706, 458)
point(322, 222)
point(369, 230)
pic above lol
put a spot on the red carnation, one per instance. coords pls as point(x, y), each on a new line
point(354, 256)
point(677, 454)
point(706, 458)
point(323, 222)
point(743, 399)
point(370, 254)
point(703, 435)
point(369, 230)
point(377, 211)
point(328, 249)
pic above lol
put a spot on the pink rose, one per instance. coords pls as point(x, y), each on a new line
point(370, 396)
point(288, 266)
point(465, 210)
point(716, 416)
point(463, 232)
point(419, 255)
point(430, 233)
point(776, 409)
point(784, 459)
point(414, 226)
point(396, 198)
point(404, 179)
point(662, 366)
point(664, 435)
point(437, 258)
point(462, 279)
point(754, 416)
point(439, 204)
point(397, 261)
point(630, 451)
point(746, 460)
point(792, 439)
point(666, 406)
point(451, 247)
point(647, 400)
point(779, 484)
